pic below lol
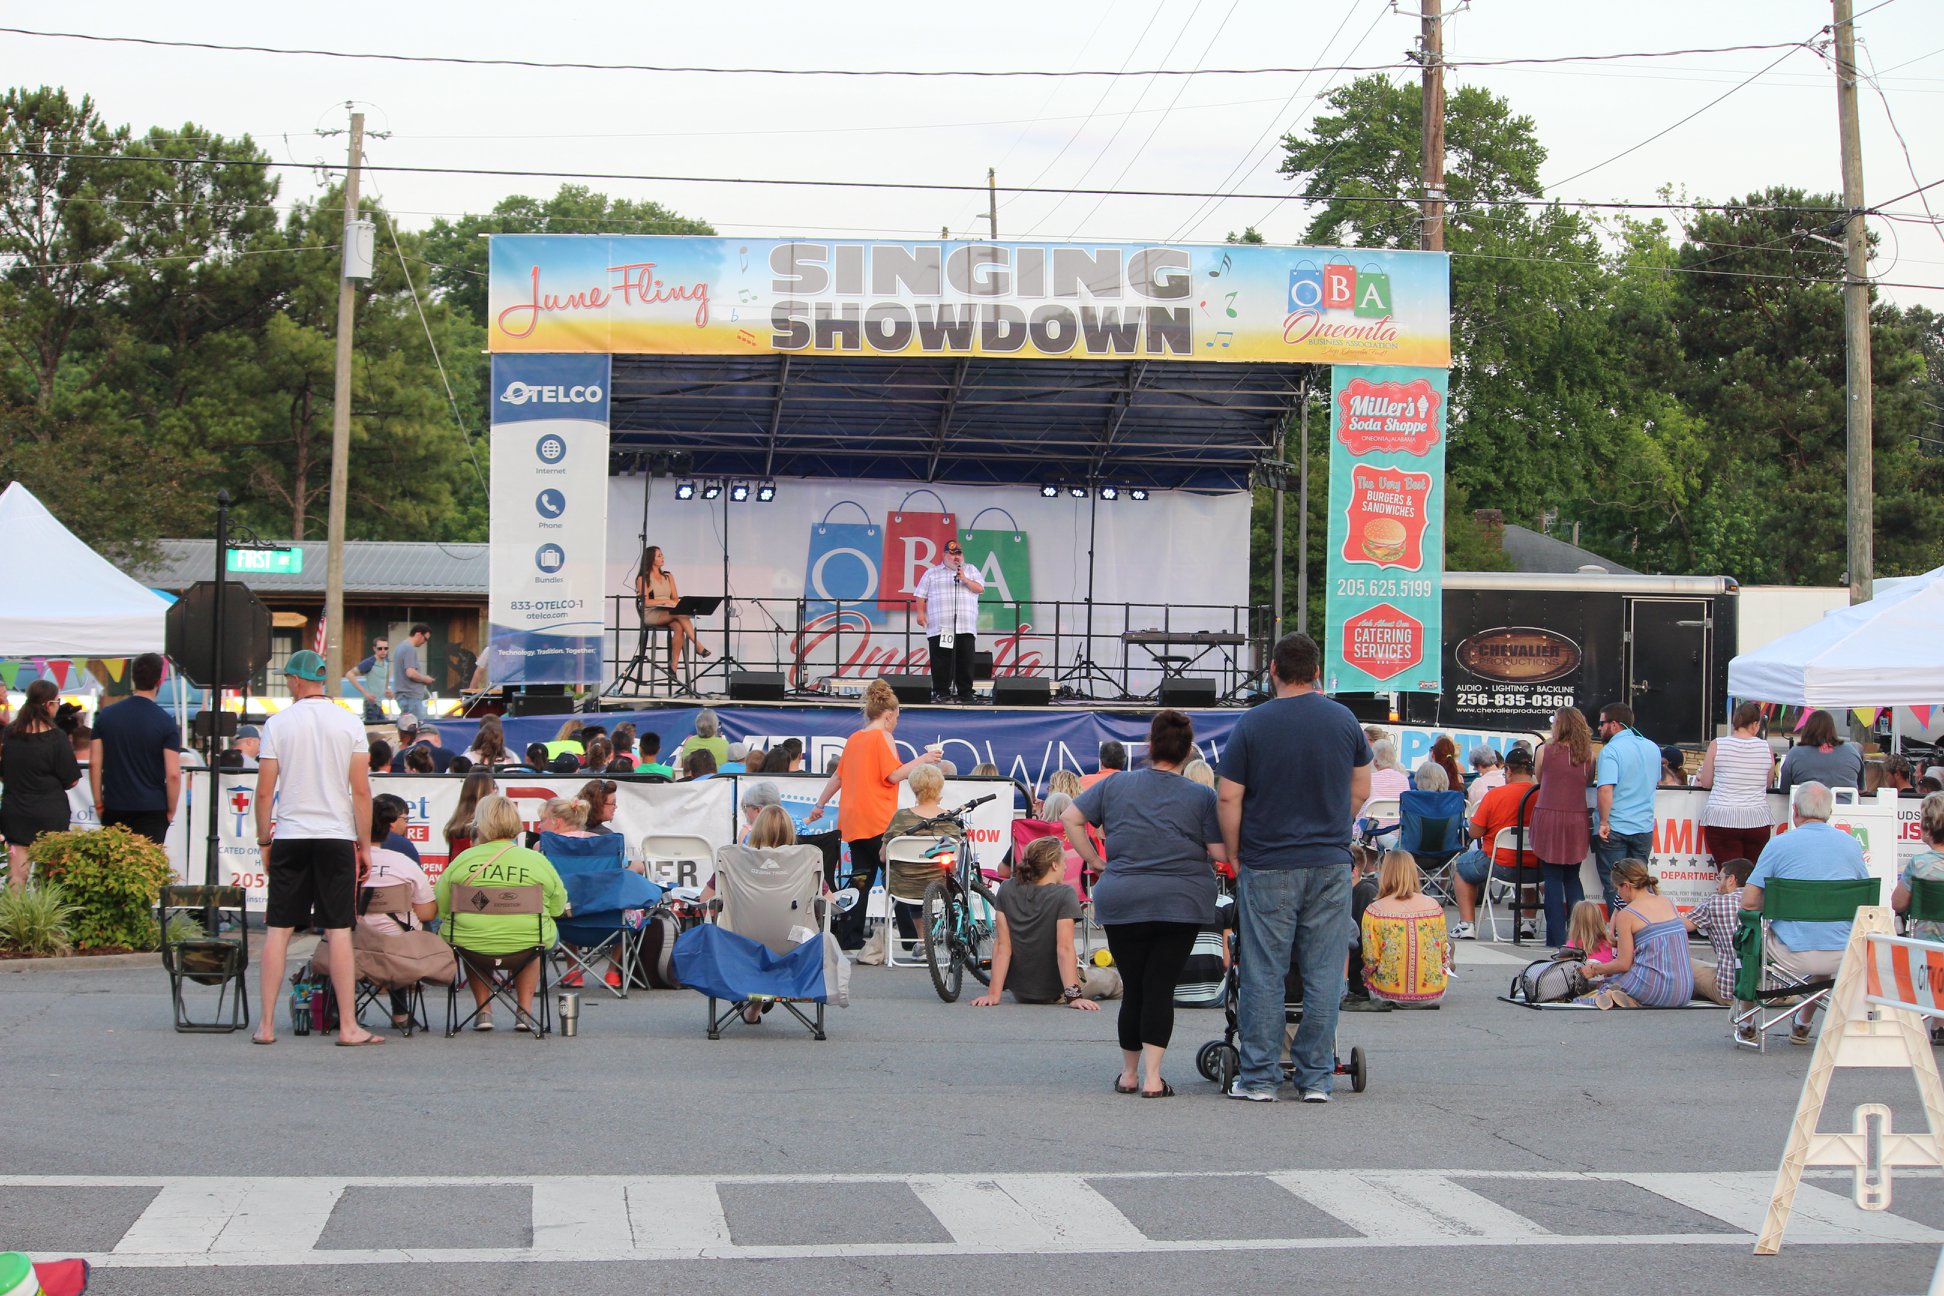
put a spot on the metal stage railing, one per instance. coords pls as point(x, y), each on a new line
point(825, 647)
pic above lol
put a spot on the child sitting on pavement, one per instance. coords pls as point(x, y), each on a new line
point(1586, 931)
point(1717, 920)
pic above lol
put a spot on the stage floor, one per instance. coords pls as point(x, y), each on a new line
point(826, 701)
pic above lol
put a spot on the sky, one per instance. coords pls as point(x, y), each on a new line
point(1207, 133)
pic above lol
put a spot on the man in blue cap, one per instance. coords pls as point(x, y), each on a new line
point(315, 773)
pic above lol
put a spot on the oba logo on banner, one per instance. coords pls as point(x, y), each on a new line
point(1337, 286)
point(842, 566)
point(1004, 560)
point(913, 544)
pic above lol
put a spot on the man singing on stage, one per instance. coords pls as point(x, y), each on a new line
point(948, 606)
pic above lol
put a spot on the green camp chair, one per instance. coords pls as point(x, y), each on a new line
point(205, 942)
point(1926, 900)
point(1758, 981)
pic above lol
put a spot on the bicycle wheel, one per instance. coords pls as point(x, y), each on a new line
point(981, 921)
point(940, 916)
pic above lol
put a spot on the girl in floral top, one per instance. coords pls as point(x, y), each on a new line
point(1406, 951)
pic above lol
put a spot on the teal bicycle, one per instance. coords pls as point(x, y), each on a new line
point(957, 917)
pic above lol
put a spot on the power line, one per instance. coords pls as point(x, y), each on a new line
point(914, 185)
point(996, 73)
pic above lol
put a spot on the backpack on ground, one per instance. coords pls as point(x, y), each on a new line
point(1553, 980)
point(654, 963)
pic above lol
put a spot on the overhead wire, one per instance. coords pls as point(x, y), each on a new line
point(921, 73)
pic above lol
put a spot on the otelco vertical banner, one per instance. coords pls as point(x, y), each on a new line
point(1384, 604)
point(549, 518)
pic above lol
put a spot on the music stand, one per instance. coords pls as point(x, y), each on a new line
point(701, 605)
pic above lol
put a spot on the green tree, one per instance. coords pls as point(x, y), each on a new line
point(459, 255)
point(1529, 398)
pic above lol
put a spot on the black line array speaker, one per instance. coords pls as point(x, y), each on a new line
point(756, 686)
point(911, 688)
point(1186, 693)
point(1020, 690)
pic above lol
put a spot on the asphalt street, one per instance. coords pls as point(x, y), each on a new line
point(923, 1147)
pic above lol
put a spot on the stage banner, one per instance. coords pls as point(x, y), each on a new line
point(549, 519)
point(1384, 601)
point(682, 295)
point(832, 562)
point(1004, 560)
point(841, 566)
point(914, 542)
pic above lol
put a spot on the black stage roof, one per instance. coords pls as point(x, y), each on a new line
point(972, 420)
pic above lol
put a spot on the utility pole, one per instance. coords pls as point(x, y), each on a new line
point(992, 202)
point(1856, 317)
point(1431, 228)
point(1282, 487)
point(1302, 521)
point(341, 417)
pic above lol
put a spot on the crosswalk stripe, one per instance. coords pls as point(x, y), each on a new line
point(1037, 1210)
point(1380, 1205)
point(674, 1212)
point(1741, 1200)
point(268, 1221)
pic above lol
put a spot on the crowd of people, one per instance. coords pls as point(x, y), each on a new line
point(1299, 818)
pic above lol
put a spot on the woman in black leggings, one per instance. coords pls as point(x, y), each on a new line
point(1157, 890)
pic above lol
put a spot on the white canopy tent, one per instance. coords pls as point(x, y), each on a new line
point(59, 598)
point(1886, 652)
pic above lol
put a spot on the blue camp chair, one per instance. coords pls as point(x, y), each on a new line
point(753, 951)
point(1432, 829)
point(601, 892)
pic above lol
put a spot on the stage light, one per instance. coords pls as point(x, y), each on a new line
point(739, 491)
point(1138, 493)
point(685, 490)
point(765, 492)
point(1049, 491)
point(1078, 492)
point(711, 490)
point(1110, 492)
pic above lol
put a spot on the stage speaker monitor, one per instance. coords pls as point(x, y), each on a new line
point(911, 688)
point(756, 686)
point(542, 699)
point(1020, 690)
point(1187, 693)
point(981, 665)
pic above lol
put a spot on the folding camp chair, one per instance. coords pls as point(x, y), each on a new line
point(374, 975)
point(1073, 872)
point(906, 850)
point(598, 931)
point(1431, 828)
point(1378, 819)
point(765, 901)
point(1758, 981)
point(204, 942)
point(664, 854)
point(498, 970)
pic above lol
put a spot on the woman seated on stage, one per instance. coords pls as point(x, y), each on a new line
point(657, 596)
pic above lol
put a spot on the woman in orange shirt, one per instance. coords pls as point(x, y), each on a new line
point(868, 774)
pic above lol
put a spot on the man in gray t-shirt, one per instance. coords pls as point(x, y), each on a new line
point(409, 680)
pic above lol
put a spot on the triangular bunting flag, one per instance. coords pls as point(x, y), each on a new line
point(1802, 720)
point(116, 666)
point(59, 670)
point(9, 671)
point(1865, 716)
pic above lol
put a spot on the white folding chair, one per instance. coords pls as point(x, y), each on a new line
point(1510, 840)
point(1379, 811)
point(663, 855)
point(906, 850)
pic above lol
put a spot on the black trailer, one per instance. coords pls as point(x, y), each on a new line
point(1517, 647)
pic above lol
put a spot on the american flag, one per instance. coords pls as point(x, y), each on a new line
point(317, 642)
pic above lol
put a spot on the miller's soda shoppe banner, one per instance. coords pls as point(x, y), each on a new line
point(684, 295)
point(1384, 601)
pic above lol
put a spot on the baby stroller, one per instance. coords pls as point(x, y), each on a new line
point(1219, 1060)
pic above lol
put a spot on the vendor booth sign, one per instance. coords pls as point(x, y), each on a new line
point(1386, 557)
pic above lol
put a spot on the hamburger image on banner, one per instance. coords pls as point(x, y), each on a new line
point(1387, 516)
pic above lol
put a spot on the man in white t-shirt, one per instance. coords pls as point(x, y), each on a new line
point(315, 772)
